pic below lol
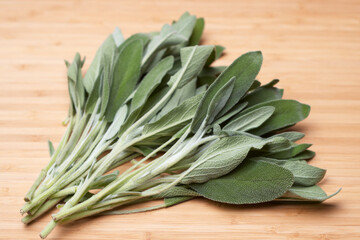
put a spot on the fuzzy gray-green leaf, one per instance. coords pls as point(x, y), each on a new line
point(245, 69)
point(225, 155)
point(125, 76)
point(250, 120)
point(175, 119)
point(287, 113)
point(251, 182)
point(313, 193)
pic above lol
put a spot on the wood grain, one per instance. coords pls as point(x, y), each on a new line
point(312, 46)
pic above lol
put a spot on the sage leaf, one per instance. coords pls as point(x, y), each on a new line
point(304, 174)
point(291, 135)
point(219, 100)
point(252, 182)
point(250, 120)
point(287, 113)
point(197, 32)
point(106, 50)
point(245, 69)
point(313, 193)
point(289, 152)
point(126, 74)
point(175, 119)
point(224, 155)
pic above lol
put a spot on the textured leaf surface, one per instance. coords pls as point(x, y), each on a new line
point(250, 120)
point(225, 155)
point(252, 182)
point(313, 193)
point(287, 113)
point(177, 117)
point(126, 74)
point(245, 69)
point(304, 174)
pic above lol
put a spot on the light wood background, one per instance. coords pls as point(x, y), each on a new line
point(313, 47)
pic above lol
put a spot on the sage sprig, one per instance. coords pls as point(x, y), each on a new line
point(222, 134)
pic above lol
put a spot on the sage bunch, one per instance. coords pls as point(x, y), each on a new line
point(222, 134)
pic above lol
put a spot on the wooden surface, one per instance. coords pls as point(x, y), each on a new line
point(313, 47)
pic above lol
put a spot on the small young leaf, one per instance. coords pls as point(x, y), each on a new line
point(252, 182)
point(51, 148)
point(313, 193)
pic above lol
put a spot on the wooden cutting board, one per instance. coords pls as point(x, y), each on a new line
point(313, 47)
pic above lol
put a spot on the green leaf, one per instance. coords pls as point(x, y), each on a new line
point(177, 191)
point(305, 155)
point(291, 135)
point(51, 148)
point(150, 82)
point(230, 114)
point(192, 61)
point(106, 50)
point(263, 94)
point(216, 53)
point(175, 119)
point(126, 75)
point(93, 97)
point(105, 87)
point(197, 32)
point(250, 120)
point(287, 113)
point(219, 100)
point(225, 155)
point(313, 193)
point(170, 36)
point(175, 200)
point(289, 152)
point(245, 69)
point(119, 119)
point(304, 174)
point(252, 182)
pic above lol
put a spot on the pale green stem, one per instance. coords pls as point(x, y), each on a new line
point(44, 171)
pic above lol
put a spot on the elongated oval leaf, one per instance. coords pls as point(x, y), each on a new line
point(192, 60)
point(245, 69)
point(125, 76)
point(150, 82)
point(225, 155)
point(287, 113)
point(219, 100)
point(289, 152)
point(119, 119)
point(304, 174)
point(252, 182)
point(106, 50)
point(250, 120)
point(291, 135)
point(197, 32)
point(313, 193)
point(263, 94)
